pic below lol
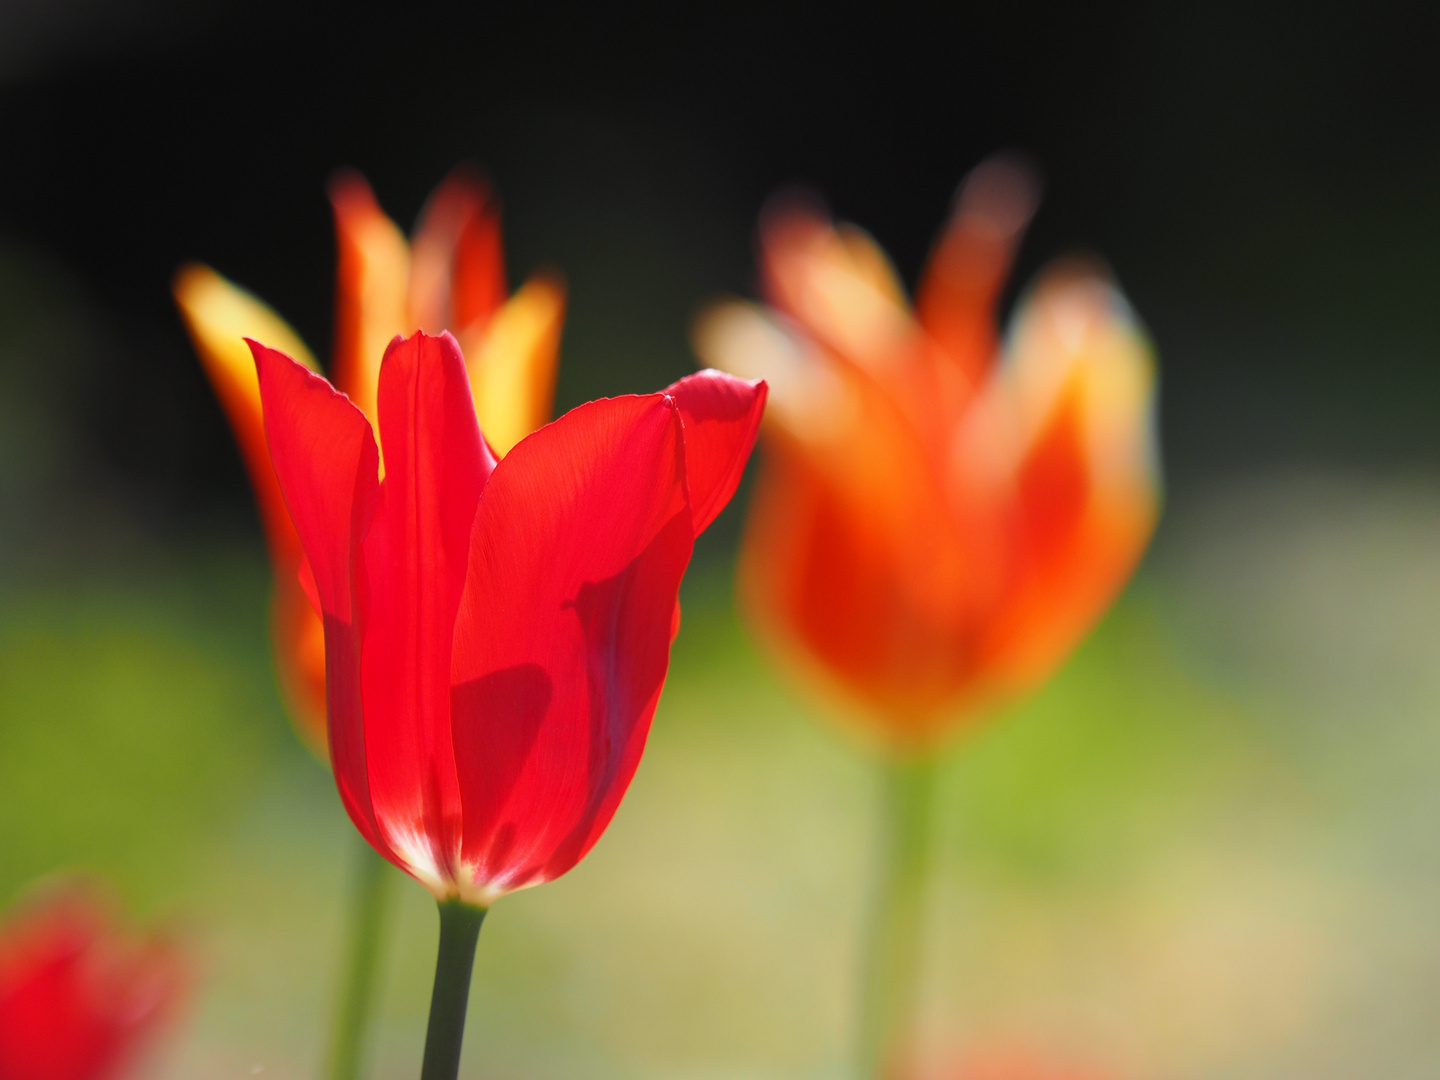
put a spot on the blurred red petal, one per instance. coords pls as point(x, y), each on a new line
point(968, 267)
point(457, 270)
point(77, 996)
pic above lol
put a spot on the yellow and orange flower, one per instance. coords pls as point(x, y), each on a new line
point(451, 276)
point(942, 516)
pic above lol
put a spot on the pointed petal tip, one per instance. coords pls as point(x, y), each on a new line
point(259, 350)
point(267, 357)
point(348, 189)
point(720, 416)
point(470, 179)
point(189, 278)
point(550, 278)
point(794, 204)
point(1001, 193)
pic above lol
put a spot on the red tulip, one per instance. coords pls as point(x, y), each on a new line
point(78, 996)
point(496, 634)
point(451, 275)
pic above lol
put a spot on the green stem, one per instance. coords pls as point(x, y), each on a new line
point(459, 930)
point(890, 993)
point(368, 902)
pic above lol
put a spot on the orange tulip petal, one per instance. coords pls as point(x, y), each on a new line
point(857, 441)
point(967, 269)
point(856, 563)
point(512, 361)
point(836, 605)
point(371, 291)
point(1087, 478)
point(479, 287)
point(219, 316)
point(457, 268)
point(840, 287)
point(297, 638)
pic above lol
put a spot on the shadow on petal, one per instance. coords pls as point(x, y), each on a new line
point(495, 721)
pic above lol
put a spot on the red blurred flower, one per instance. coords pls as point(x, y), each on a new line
point(78, 996)
point(1007, 1065)
point(452, 276)
point(941, 516)
point(496, 634)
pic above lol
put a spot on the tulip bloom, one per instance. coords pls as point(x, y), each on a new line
point(451, 276)
point(496, 633)
point(941, 516)
point(78, 997)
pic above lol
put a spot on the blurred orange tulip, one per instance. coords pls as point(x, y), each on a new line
point(942, 516)
point(450, 277)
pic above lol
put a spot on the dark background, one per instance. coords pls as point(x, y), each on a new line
point(1264, 178)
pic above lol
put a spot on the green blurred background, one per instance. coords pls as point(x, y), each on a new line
point(1210, 848)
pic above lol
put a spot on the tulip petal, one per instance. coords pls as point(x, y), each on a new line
point(219, 316)
point(457, 268)
point(512, 359)
point(478, 277)
point(839, 286)
point(1080, 375)
point(78, 995)
point(327, 465)
point(297, 639)
point(562, 642)
point(721, 415)
point(415, 556)
point(857, 565)
point(372, 283)
point(968, 267)
point(806, 399)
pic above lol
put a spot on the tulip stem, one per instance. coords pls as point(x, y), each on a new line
point(369, 897)
point(890, 992)
point(459, 930)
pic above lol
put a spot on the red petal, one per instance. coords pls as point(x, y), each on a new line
point(479, 286)
point(721, 415)
point(327, 463)
point(436, 465)
point(966, 273)
point(563, 638)
point(77, 993)
point(457, 270)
